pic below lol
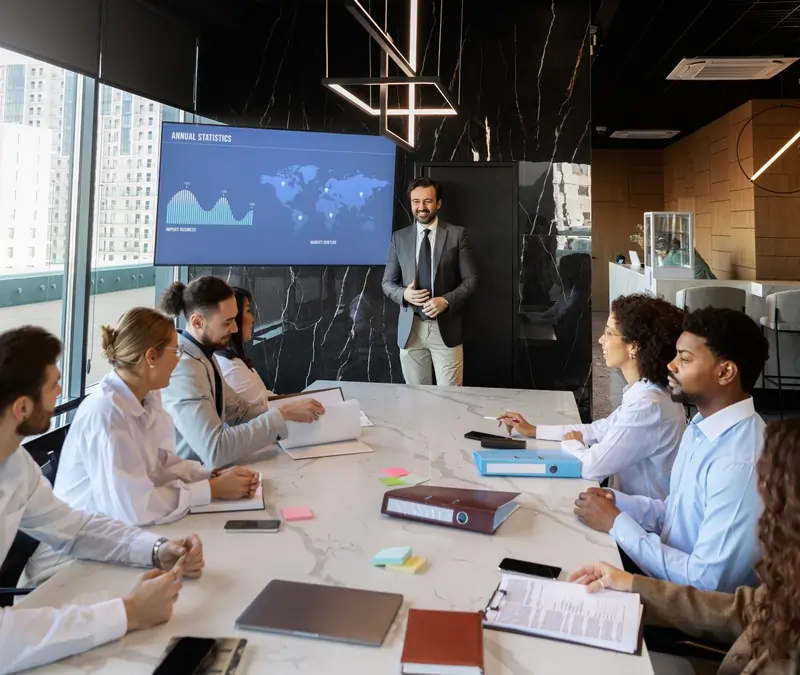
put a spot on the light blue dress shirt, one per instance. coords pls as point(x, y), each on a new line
point(704, 534)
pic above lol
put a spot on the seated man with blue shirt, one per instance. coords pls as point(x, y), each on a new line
point(704, 533)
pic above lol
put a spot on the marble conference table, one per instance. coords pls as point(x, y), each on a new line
point(421, 429)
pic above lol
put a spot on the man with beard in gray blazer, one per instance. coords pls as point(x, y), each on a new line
point(431, 274)
point(213, 425)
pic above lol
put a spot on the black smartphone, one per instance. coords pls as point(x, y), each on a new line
point(480, 435)
point(530, 569)
point(504, 444)
point(253, 526)
point(188, 656)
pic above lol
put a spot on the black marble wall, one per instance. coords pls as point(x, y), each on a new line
point(522, 69)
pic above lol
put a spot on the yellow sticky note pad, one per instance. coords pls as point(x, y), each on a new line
point(411, 566)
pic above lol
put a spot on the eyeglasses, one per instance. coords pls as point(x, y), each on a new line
point(609, 333)
point(178, 350)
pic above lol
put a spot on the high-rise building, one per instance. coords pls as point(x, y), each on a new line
point(44, 96)
point(24, 196)
point(128, 175)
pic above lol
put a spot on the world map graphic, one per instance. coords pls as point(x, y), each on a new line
point(314, 197)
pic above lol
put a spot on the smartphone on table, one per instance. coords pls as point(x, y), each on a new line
point(261, 526)
point(530, 569)
point(188, 656)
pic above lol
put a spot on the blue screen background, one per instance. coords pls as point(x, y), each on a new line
point(270, 197)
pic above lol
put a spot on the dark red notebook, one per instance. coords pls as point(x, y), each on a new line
point(442, 643)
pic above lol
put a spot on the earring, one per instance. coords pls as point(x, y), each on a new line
point(152, 365)
point(632, 356)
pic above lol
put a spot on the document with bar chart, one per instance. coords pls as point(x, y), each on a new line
point(245, 196)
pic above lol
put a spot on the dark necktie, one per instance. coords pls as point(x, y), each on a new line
point(424, 281)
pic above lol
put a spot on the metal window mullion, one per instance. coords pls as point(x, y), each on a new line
point(77, 288)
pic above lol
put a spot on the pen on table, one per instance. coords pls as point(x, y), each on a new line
point(494, 419)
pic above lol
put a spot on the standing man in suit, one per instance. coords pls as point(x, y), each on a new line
point(431, 274)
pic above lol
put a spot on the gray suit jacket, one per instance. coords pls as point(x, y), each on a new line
point(455, 278)
point(200, 432)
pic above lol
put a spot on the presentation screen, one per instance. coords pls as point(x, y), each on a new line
point(245, 196)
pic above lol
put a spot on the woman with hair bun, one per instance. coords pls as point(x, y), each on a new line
point(119, 456)
point(635, 445)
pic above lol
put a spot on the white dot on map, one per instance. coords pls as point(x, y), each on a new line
point(283, 183)
point(299, 217)
point(360, 194)
point(326, 189)
point(330, 215)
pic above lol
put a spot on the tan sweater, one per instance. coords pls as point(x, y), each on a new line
point(710, 615)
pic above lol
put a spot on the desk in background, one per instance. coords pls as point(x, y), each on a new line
point(421, 429)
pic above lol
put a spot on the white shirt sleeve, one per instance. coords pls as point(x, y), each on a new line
point(621, 443)
point(33, 637)
point(555, 432)
point(79, 534)
point(122, 488)
point(245, 382)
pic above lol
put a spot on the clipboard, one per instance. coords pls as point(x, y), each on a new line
point(498, 597)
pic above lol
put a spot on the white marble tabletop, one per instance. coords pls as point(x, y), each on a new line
point(421, 429)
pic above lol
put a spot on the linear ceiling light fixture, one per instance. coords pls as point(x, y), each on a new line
point(410, 78)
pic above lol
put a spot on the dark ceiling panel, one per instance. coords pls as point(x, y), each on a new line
point(647, 39)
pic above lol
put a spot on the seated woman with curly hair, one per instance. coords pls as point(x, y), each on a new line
point(762, 626)
point(635, 445)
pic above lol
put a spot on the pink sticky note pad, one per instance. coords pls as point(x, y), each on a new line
point(298, 513)
point(395, 472)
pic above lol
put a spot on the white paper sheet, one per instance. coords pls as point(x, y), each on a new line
point(365, 421)
point(341, 422)
point(565, 611)
point(223, 505)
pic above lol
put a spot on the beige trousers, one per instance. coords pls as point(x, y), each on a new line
point(425, 348)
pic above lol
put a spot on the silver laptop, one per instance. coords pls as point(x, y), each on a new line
point(326, 612)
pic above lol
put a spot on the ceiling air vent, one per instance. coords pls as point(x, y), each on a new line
point(645, 134)
point(733, 68)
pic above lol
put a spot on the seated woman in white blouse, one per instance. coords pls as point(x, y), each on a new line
point(236, 368)
point(635, 445)
point(118, 459)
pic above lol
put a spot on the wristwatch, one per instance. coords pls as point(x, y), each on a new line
point(156, 549)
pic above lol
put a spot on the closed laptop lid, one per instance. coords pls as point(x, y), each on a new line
point(327, 612)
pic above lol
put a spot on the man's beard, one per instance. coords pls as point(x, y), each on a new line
point(37, 423)
point(215, 345)
point(680, 396)
point(425, 219)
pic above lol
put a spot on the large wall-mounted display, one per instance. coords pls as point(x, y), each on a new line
point(248, 196)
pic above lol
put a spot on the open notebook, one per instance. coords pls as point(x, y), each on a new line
point(223, 505)
point(559, 610)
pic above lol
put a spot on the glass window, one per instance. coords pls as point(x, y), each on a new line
point(29, 155)
point(122, 281)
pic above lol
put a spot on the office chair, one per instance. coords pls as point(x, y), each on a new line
point(672, 641)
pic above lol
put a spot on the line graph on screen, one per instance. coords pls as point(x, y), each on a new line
point(184, 209)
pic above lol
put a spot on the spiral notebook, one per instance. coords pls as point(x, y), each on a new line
point(559, 610)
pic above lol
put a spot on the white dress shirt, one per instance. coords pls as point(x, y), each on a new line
point(636, 444)
point(244, 381)
point(119, 460)
point(31, 637)
point(704, 534)
point(432, 236)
